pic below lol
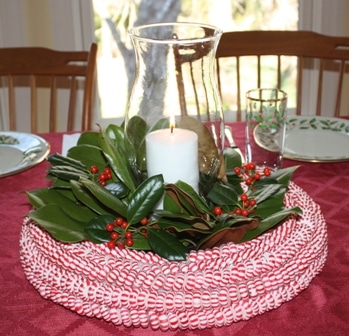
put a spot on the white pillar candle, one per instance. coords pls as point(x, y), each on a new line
point(174, 155)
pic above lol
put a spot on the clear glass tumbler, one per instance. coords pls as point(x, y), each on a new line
point(265, 127)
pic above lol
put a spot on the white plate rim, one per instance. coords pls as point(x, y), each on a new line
point(41, 155)
point(317, 123)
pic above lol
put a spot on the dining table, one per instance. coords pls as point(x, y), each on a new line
point(320, 309)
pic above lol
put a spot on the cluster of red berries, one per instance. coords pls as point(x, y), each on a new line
point(104, 176)
point(249, 173)
point(247, 207)
point(119, 235)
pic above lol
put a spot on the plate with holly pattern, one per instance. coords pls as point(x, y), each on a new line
point(317, 139)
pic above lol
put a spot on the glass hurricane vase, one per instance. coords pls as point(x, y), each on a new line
point(175, 89)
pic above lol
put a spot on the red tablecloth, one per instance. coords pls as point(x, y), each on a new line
point(321, 309)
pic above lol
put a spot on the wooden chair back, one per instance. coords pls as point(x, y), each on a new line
point(41, 67)
point(320, 54)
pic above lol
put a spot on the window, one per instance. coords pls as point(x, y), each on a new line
point(113, 18)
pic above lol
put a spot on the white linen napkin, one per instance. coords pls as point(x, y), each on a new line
point(69, 140)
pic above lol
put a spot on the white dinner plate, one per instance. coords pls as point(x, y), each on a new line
point(20, 151)
point(317, 139)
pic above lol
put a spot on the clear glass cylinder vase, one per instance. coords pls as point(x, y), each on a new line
point(175, 89)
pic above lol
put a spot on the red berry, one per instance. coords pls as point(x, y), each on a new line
point(111, 244)
point(267, 171)
point(217, 210)
point(109, 176)
point(257, 176)
point(103, 183)
point(253, 202)
point(120, 245)
point(109, 227)
point(128, 234)
point(249, 181)
point(124, 225)
point(102, 177)
point(118, 221)
point(238, 211)
point(244, 212)
point(129, 242)
point(244, 197)
point(107, 170)
point(144, 221)
point(94, 169)
point(251, 166)
point(114, 235)
point(246, 204)
point(237, 170)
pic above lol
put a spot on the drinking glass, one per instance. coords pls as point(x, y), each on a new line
point(265, 127)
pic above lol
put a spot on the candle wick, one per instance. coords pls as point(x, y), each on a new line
point(172, 129)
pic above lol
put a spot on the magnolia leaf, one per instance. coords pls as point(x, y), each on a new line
point(42, 197)
point(118, 189)
point(116, 134)
point(135, 134)
point(232, 159)
point(61, 226)
point(86, 197)
point(96, 231)
point(223, 195)
point(268, 191)
point(89, 155)
point(198, 200)
point(217, 236)
point(183, 201)
point(88, 138)
point(270, 222)
point(166, 245)
point(144, 199)
point(140, 242)
point(105, 197)
point(117, 160)
point(67, 173)
point(181, 222)
point(57, 159)
point(226, 235)
point(280, 176)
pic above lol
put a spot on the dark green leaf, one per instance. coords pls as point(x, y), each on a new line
point(89, 155)
point(86, 197)
point(269, 222)
point(223, 195)
point(88, 138)
point(96, 231)
point(60, 160)
point(67, 173)
point(144, 199)
point(140, 242)
point(117, 160)
point(105, 197)
point(166, 245)
point(42, 197)
point(232, 159)
point(61, 226)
